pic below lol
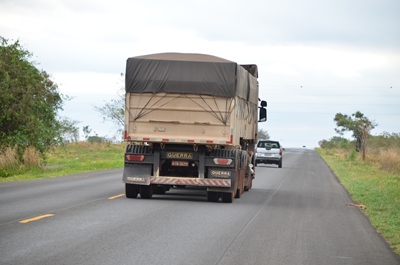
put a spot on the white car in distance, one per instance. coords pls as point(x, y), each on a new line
point(269, 152)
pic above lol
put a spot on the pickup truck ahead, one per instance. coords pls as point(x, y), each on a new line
point(269, 152)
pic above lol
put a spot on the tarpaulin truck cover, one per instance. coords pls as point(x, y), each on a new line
point(188, 73)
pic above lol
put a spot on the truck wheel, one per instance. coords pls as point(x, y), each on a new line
point(228, 197)
point(240, 189)
point(248, 183)
point(280, 164)
point(238, 194)
point(160, 190)
point(131, 190)
point(212, 196)
point(146, 192)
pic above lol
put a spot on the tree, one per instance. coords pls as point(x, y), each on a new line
point(69, 131)
point(29, 101)
point(335, 142)
point(262, 134)
point(357, 123)
point(92, 138)
point(87, 131)
point(114, 110)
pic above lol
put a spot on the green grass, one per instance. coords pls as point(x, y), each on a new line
point(372, 186)
point(72, 159)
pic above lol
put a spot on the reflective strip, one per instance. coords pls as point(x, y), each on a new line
point(191, 141)
point(150, 139)
point(192, 181)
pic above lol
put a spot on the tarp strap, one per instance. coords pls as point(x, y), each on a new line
point(145, 111)
point(223, 117)
point(218, 115)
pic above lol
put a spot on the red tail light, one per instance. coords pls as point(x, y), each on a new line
point(138, 158)
point(222, 161)
point(280, 151)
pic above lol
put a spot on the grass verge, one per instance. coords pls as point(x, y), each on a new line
point(370, 185)
point(72, 159)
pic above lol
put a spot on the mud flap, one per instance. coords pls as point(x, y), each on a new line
point(137, 174)
point(222, 173)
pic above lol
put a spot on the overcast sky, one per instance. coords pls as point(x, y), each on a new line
point(315, 58)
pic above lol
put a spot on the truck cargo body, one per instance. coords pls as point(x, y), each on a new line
point(191, 120)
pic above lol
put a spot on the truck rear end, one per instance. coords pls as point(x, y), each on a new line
point(191, 120)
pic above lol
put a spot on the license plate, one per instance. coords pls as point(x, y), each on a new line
point(180, 163)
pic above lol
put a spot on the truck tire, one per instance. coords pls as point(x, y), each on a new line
point(146, 192)
point(238, 194)
point(131, 190)
point(240, 188)
point(248, 183)
point(228, 197)
point(160, 190)
point(212, 196)
point(280, 163)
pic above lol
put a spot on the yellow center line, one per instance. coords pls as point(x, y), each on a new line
point(116, 196)
point(35, 218)
point(49, 215)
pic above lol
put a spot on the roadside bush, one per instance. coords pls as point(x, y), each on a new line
point(96, 139)
point(12, 163)
point(382, 150)
point(31, 157)
point(388, 160)
point(352, 155)
point(384, 141)
point(9, 161)
point(337, 142)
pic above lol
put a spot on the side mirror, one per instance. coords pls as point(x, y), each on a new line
point(263, 114)
point(263, 103)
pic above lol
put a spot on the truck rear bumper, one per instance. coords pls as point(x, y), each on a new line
point(191, 181)
point(141, 180)
point(141, 175)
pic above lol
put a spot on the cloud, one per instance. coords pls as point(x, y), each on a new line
point(98, 36)
point(371, 23)
point(314, 58)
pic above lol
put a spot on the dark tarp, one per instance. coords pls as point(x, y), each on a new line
point(190, 74)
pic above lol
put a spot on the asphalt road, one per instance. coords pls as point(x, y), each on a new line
point(293, 215)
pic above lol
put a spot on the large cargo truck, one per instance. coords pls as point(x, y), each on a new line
point(190, 120)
